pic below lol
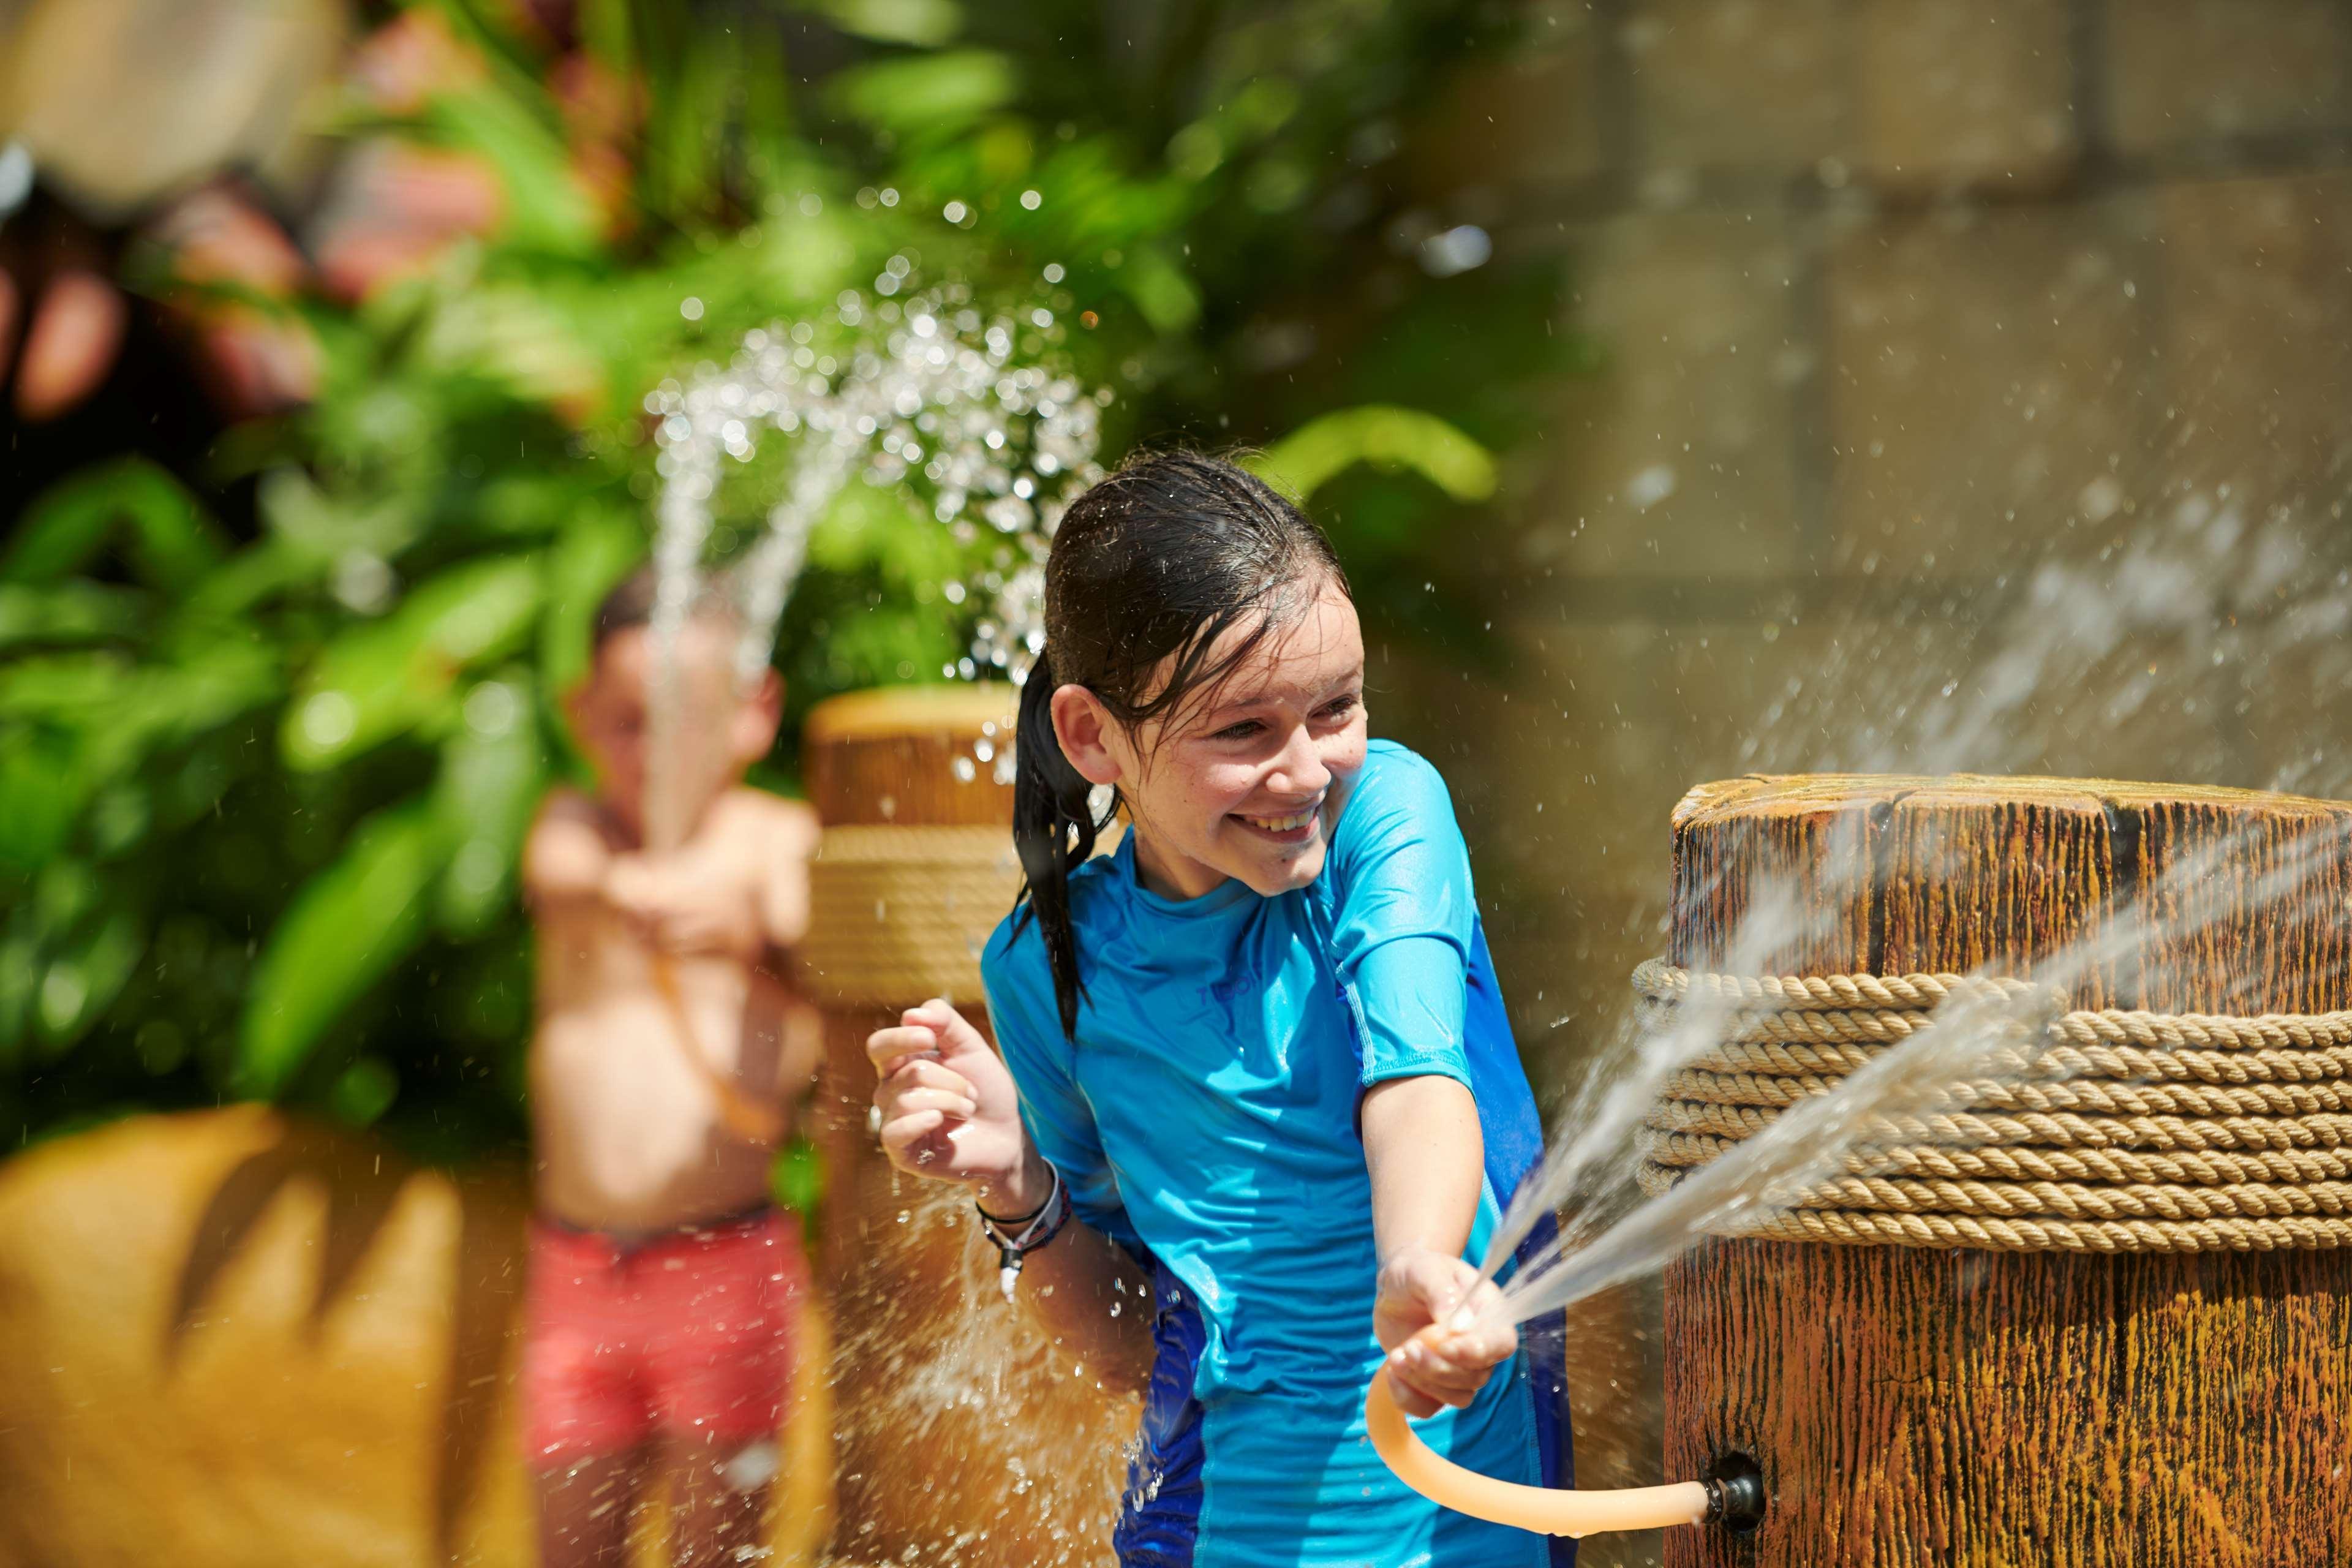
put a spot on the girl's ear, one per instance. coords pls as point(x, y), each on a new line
point(1084, 728)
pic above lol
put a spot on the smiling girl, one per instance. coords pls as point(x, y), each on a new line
point(1258, 1052)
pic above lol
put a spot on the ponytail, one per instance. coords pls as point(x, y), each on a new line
point(1054, 831)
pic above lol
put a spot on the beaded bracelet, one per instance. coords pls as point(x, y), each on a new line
point(1016, 1238)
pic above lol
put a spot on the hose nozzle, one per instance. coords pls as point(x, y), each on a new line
point(1735, 1494)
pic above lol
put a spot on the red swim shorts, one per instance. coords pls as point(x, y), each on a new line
point(686, 1336)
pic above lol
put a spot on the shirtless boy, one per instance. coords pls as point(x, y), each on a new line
point(669, 1050)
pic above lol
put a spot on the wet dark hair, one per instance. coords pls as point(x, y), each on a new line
point(1153, 564)
point(629, 604)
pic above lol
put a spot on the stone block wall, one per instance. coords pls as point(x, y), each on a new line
point(1976, 395)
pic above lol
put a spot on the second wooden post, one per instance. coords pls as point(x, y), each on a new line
point(964, 1439)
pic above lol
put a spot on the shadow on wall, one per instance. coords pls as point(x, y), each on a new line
point(482, 1293)
point(233, 1338)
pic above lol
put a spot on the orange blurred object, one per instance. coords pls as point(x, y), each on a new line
point(77, 327)
point(401, 64)
point(216, 238)
point(10, 300)
point(253, 360)
point(397, 207)
point(602, 111)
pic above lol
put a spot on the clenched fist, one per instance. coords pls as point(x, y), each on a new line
point(949, 1111)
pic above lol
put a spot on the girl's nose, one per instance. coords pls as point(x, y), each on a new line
point(1299, 770)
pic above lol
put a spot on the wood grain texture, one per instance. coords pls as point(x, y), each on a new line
point(1912, 1408)
point(964, 1440)
point(886, 756)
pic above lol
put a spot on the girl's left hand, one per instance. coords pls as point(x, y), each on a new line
point(1432, 1362)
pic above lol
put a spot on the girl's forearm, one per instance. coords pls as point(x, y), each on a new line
point(1425, 1154)
point(1081, 1288)
point(1087, 1293)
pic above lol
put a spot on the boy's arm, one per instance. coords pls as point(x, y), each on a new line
point(785, 888)
point(1426, 1155)
point(566, 858)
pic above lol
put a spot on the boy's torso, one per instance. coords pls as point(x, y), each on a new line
point(630, 1130)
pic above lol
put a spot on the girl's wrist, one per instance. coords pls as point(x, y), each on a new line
point(1390, 1256)
point(1019, 1191)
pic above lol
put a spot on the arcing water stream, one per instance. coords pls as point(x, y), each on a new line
point(965, 413)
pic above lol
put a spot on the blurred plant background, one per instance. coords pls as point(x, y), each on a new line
point(280, 657)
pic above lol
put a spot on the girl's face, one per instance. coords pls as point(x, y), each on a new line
point(1246, 783)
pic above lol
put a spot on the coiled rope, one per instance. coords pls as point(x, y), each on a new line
point(900, 914)
point(2119, 1131)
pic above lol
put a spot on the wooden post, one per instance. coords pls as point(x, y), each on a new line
point(964, 1440)
point(1917, 1407)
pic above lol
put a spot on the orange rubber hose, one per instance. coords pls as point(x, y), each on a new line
point(1544, 1509)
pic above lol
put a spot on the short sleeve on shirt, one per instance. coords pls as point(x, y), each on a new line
point(1404, 919)
point(1029, 1033)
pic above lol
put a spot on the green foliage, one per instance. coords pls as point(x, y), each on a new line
point(169, 541)
point(348, 924)
point(1395, 439)
point(262, 798)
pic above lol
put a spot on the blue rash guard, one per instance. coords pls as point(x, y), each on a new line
point(1205, 1119)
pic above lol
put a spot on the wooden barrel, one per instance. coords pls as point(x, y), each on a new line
point(964, 1438)
point(1910, 1407)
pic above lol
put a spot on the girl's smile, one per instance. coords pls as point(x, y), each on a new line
point(1295, 828)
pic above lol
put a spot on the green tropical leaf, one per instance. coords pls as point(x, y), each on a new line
point(69, 612)
point(41, 793)
point(158, 706)
point(927, 23)
point(172, 542)
point(546, 210)
point(342, 932)
point(493, 771)
point(20, 980)
point(63, 687)
point(82, 975)
point(71, 942)
point(1396, 439)
point(255, 573)
point(930, 92)
point(363, 1091)
point(797, 1179)
point(1168, 298)
point(512, 335)
point(597, 551)
point(384, 679)
point(325, 527)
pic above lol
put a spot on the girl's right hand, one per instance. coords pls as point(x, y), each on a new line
point(949, 1110)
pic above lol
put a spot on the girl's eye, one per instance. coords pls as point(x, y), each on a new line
point(1241, 732)
point(1341, 709)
